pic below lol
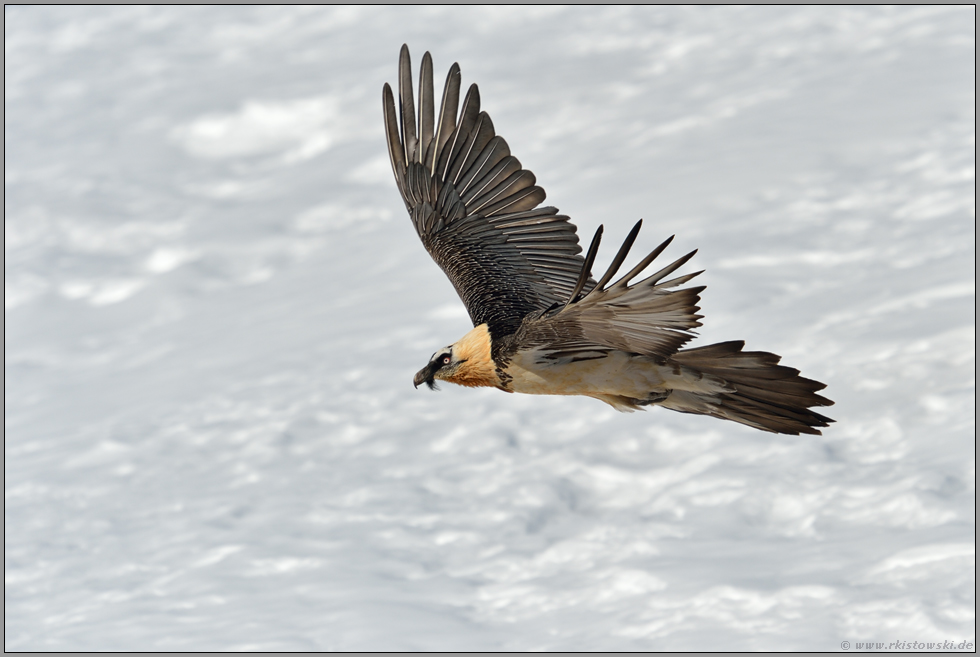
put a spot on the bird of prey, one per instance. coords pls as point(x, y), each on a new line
point(542, 324)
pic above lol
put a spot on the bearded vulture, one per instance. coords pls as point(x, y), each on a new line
point(542, 324)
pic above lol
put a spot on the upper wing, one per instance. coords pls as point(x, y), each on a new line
point(474, 207)
point(648, 317)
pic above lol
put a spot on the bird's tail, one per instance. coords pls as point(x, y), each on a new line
point(764, 395)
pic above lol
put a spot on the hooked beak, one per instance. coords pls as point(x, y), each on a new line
point(426, 375)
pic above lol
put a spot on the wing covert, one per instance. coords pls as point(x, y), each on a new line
point(647, 317)
point(473, 205)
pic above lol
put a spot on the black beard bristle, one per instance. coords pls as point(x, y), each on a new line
point(432, 385)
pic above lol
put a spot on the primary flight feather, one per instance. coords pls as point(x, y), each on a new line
point(542, 323)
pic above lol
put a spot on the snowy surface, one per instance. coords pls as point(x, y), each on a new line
point(215, 305)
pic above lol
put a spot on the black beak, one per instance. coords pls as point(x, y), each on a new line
point(426, 375)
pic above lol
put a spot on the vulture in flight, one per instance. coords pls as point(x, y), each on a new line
point(542, 324)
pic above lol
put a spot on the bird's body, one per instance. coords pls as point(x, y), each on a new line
point(542, 324)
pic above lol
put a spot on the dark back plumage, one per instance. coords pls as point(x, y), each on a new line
point(474, 207)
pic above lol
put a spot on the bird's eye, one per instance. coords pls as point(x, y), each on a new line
point(446, 360)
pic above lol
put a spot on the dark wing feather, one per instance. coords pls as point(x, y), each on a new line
point(474, 207)
point(648, 318)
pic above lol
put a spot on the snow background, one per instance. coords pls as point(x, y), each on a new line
point(215, 304)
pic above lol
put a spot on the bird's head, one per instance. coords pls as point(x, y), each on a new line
point(466, 362)
point(443, 365)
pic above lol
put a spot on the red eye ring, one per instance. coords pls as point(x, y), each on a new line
point(446, 360)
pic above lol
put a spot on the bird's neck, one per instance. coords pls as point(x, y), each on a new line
point(478, 368)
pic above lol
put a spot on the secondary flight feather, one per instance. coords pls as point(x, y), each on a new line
point(542, 323)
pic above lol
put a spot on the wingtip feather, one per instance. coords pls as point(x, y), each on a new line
point(586, 266)
point(620, 255)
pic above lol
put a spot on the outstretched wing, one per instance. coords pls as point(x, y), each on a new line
point(648, 318)
point(474, 207)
